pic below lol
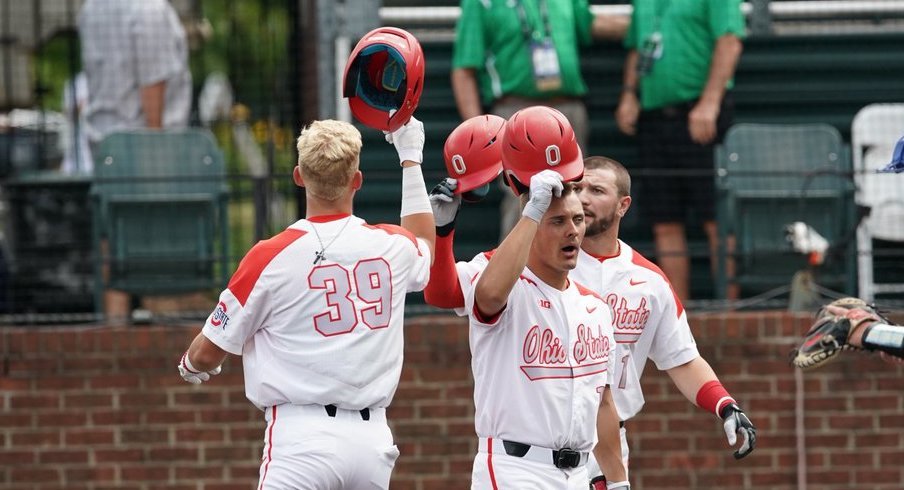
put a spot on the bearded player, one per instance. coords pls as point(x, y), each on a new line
point(650, 321)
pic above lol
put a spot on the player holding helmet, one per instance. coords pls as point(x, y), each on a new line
point(308, 306)
point(538, 338)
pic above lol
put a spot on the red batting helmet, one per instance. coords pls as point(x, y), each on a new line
point(384, 73)
point(473, 152)
point(535, 139)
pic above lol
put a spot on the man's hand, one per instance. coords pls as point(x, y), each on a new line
point(445, 204)
point(735, 421)
point(627, 113)
point(701, 122)
point(191, 374)
point(408, 141)
point(543, 186)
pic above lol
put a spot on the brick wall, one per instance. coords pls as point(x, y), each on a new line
point(103, 408)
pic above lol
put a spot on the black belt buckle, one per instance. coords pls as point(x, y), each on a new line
point(566, 458)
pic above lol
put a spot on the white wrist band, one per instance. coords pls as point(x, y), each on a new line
point(414, 192)
point(186, 363)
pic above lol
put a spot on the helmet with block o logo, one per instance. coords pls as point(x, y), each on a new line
point(535, 139)
point(473, 153)
point(384, 78)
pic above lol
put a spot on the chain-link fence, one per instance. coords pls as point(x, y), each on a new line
point(807, 140)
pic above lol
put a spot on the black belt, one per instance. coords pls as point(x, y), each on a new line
point(331, 411)
point(561, 458)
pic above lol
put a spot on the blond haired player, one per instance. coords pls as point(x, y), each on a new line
point(650, 321)
point(316, 313)
point(541, 348)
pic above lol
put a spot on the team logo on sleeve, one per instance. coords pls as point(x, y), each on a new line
point(219, 318)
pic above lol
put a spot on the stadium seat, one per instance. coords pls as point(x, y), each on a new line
point(768, 176)
point(874, 131)
point(160, 211)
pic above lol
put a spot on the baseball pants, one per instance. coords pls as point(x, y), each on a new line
point(307, 449)
point(499, 471)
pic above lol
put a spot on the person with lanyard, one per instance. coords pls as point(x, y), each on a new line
point(512, 54)
point(675, 99)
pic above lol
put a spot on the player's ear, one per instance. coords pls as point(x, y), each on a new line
point(357, 180)
point(623, 205)
point(296, 176)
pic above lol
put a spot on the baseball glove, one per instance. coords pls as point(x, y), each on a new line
point(829, 334)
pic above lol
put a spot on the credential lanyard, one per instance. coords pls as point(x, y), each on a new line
point(525, 26)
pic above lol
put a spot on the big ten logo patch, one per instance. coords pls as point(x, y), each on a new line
point(627, 321)
point(219, 318)
point(544, 303)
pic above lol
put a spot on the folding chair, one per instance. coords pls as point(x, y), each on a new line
point(768, 176)
point(875, 130)
point(160, 207)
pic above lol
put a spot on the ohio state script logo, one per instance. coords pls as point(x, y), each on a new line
point(219, 316)
point(546, 357)
point(628, 322)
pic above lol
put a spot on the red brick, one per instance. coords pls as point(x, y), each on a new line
point(145, 473)
point(87, 400)
point(36, 438)
point(16, 457)
point(88, 437)
point(34, 475)
point(118, 455)
point(39, 401)
point(63, 457)
point(62, 419)
point(144, 435)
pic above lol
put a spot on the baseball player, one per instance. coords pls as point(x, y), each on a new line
point(316, 313)
point(516, 459)
point(541, 348)
point(650, 322)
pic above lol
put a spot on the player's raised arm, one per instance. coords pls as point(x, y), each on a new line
point(417, 215)
point(473, 157)
point(495, 284)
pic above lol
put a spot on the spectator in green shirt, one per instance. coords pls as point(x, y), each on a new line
point(681, 60)
point(512, 54)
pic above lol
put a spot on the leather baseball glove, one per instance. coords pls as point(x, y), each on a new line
point(829, 334)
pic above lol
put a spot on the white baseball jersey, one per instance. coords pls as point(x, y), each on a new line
point(328, 332)
point(649, 319)
point(541, 364)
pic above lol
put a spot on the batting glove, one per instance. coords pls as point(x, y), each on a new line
point(543, 186)
point(191, 374)
point(445, 204)
point(408, 141)
point(735, 421)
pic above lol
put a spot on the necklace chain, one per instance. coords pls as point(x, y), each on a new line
point(321, 254)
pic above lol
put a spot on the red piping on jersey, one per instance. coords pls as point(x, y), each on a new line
point(257, 259)
point(326, 218)
point(489, 254)
point(646, 264)
point(587, 292)
point(396, 230)
point(488, 320)
point(443, 290)
point(269, 447)
point(490, 463)
point(603, 258)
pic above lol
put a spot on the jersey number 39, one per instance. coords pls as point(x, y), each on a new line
point(373, 288)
